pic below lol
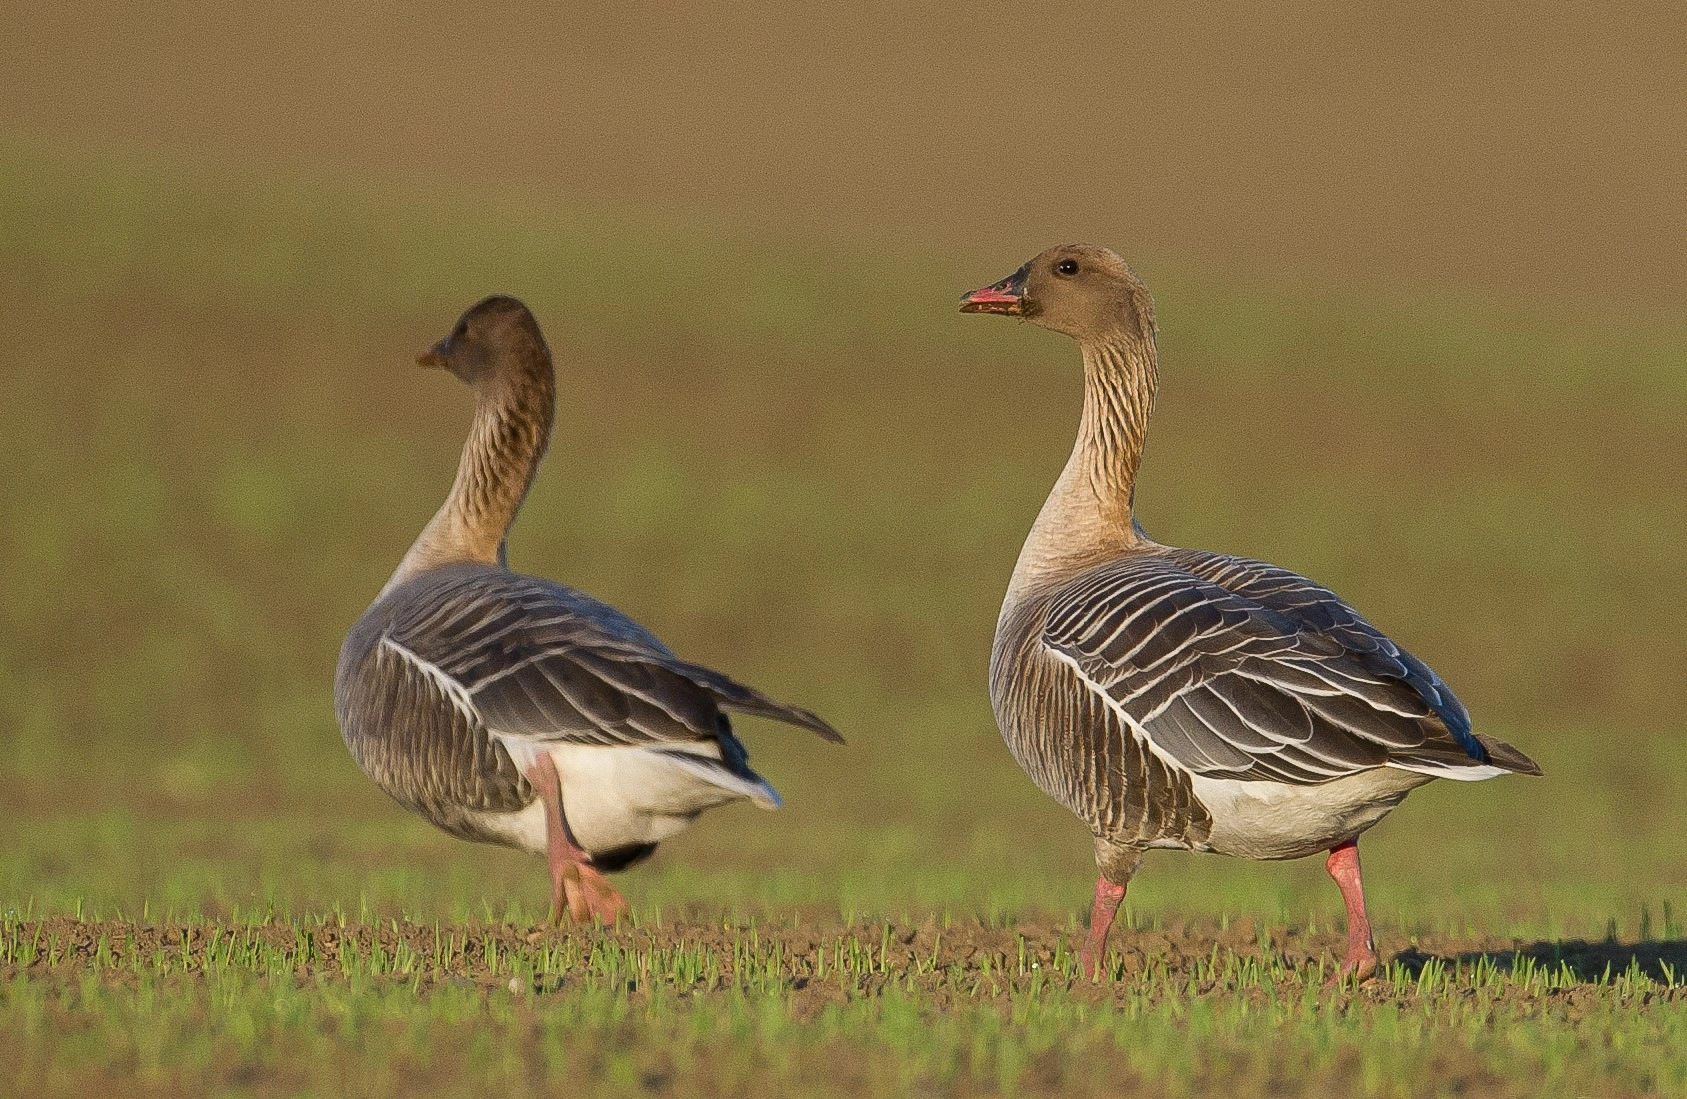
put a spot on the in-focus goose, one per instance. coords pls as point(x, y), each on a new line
point(1184, 699)
point(509, 709)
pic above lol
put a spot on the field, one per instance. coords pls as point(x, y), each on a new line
point(804, 467)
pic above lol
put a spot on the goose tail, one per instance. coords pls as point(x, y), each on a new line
point(1504, 756)
point(733, 696)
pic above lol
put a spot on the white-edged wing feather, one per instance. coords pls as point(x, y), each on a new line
point(1272, 679)
point(530, 659)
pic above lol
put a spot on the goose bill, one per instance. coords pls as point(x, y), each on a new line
point(435, 357)
point(1006, 297)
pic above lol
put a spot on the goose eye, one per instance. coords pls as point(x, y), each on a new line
point(1067, 267)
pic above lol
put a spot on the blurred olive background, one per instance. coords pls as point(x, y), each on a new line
point(1419, 274)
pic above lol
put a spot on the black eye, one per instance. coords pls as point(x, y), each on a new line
point(1066, 267)
point(462, 327)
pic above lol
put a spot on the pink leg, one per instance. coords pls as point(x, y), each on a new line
point(1361, 960)
point(575, 882)
point(1092, 959)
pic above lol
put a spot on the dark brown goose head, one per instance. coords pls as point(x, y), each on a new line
point(496, 341)
point(1082, 290)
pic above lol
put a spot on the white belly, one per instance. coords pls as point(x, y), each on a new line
point(1273, 820)
point(617, 797)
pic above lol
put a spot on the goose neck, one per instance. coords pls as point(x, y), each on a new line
point(1088, 517)
point(507, 440)
point(1120, 377)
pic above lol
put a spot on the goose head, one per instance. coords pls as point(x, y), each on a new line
point(495, 343)
point(1082, 290)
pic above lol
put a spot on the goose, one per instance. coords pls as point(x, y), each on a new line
point(512, 710)
point(1176, 698)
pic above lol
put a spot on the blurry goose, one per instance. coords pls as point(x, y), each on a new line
point(1184, 699)
point(509, 709)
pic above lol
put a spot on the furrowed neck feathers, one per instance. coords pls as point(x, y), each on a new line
point(513, 412)
point(1088, 516)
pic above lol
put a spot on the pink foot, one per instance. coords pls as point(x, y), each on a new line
point(1359, 966)
point(603, 901)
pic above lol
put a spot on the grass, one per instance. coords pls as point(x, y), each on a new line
point(805, 469)
point(720, 1010)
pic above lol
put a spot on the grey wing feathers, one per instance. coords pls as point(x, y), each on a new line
point(1245, 671)
point(536, 659)
point(1321, 610)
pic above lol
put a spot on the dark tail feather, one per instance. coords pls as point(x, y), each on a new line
point(1501, 754)
point(734, 696)
point(760, 705)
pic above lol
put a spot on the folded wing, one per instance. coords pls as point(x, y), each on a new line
point(533, 659)
point(1238, 670)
